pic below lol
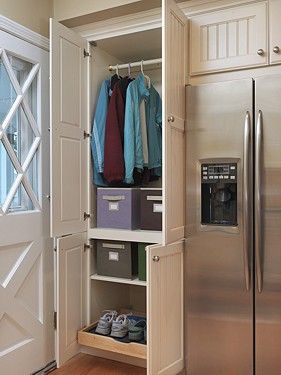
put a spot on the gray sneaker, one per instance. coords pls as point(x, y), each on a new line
point(120, 326)
point(137, 330)
point(105, 322)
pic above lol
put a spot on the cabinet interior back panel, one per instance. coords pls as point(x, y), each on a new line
point(228, 39)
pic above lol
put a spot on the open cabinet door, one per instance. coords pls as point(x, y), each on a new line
point(68, 123)
point(70, 295)
point(165, 309)
point(174, 69)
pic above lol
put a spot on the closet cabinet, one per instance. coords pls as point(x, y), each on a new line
point(77, 69)
point(232, 38)
point(275, 31)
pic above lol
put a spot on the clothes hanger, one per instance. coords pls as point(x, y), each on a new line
point(145, 76)
point(129, 70)
point(117, 70)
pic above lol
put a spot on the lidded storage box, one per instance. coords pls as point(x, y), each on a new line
point(117, 259)
point(151, 209)
point(118, 208)
point(142, 261)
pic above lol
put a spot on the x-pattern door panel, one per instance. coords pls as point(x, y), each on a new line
point(26, 257)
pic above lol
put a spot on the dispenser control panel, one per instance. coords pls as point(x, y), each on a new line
point(223, 172)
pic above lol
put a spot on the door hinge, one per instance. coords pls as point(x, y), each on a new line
point(55, 320)
point(87, 135)
point(86, 246)
point(86, 216)
point(87, 53)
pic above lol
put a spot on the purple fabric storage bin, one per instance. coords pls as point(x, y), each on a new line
point(118, 208)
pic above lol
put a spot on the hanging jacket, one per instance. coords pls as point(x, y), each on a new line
point(133, 151)
point(153, 107)
point(114, 134)
point(98, 129)
point(133, 148)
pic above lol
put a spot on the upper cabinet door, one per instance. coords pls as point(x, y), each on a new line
point(68, 123)
point(228, 39)
point(275, 31)
point(174, 73)
point(165, 309)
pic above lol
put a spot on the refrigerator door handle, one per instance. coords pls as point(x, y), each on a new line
point(258, 234)
point(246, 190)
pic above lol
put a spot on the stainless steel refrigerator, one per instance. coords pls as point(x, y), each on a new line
point(233, 254)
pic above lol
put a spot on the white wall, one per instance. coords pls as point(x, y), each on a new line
point(66, 9)
point(33, 14)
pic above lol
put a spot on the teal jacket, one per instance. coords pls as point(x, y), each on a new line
point(133, 151)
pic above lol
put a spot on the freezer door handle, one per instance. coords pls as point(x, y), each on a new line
point(258, 181)
point(246, 202)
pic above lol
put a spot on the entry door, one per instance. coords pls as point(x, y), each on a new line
point(165, 309)
point(26, 267)
point(174, 43)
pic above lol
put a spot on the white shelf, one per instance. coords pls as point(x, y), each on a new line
point(118, 280)
point(146, 236)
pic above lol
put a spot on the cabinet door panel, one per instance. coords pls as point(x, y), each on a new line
point(165, 309)
point(71, 284)
point(275, 31)
point(174, 69)
point(68, 122)
point(229, 39)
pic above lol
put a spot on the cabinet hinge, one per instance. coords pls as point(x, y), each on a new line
point(87, 53)
point(55, 320)
point(86, 216)
point(86, 246)
point(55, 249)
point(86, 135)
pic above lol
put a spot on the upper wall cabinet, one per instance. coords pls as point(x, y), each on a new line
point(228, 39)
point(275, 31)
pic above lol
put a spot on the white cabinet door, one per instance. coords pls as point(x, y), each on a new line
point(229, 39)
point(68, 123)
point(70, 295)
point(174, 70)
point(165, 309)
point(275, 31)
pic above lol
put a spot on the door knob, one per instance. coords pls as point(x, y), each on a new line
point(276, 49)
point(260, 52)
point(156, 258)
point(171, 119)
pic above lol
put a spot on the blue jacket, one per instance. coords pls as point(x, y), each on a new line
point(98, 133)
point(133, 151)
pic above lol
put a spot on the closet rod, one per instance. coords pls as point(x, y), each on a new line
point(133, 64)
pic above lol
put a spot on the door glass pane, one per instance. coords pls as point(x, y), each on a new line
point(21, 68)
point(21, 201)
point(7, 92)
point(32, 174)
point(20, 134)
point(8, 174)
point(32, 98)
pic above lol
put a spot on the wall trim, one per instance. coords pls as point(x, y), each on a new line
point(136, 22)
point(23, 33)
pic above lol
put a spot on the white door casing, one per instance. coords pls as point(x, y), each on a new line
point(70, 295)
point(174, 69)
point(68, 123)
point(26, 256)
point(165, 309)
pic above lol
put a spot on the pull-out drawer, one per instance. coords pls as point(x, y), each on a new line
point(232, 38)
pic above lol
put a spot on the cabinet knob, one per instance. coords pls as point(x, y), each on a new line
point(260, 52)
point(276, 49)
point(171, 119)
point(156, 258)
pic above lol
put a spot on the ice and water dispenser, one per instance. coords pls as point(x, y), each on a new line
point(219, 194)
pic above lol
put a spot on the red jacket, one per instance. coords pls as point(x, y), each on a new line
point(114, 169)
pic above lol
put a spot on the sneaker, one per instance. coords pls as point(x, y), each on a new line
point(136, 330)
point(105, 322)
point(120, 326)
